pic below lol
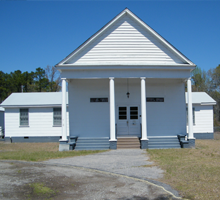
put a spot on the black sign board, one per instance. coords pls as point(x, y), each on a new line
point(98, 99)
point(155, 99)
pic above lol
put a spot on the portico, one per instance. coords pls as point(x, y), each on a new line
point(117, 99)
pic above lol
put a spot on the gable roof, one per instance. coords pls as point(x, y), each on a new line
point(82, 51)
point(34, 99)
point(53, 99)
point(201, 98)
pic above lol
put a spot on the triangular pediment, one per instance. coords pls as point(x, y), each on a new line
point(126, 40)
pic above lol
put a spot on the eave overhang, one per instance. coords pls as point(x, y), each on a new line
point(32, 106)
point(125, 67)
point(204, 103)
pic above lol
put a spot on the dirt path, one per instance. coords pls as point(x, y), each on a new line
point(21, 180)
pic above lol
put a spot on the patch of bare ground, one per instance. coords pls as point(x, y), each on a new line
point(195, 173)
point(37, 151)
point(37, 181)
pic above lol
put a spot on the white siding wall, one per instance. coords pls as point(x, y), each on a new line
point(40, 123)
point(92, 119)
point(166, 118)
point(88, 119)
point(125, 43)
point(203, 119)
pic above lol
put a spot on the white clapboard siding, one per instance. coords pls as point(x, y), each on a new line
point(166, 118)
point(127, 42)
point(40, 123)
point(203, 119)
point(89, 119)
point(92, 119)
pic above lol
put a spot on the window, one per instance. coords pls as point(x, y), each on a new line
point(57, 117)
point(155, 99)
point(133, 112)
point(92, 100)
point(122, 113)
point(24, 117)
point(193, 115)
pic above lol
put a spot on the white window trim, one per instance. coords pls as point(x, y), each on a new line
point(22, 125)
point(57, 125)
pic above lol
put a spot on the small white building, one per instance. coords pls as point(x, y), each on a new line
point(33, 117)
point(124, 82)
point(202, 115)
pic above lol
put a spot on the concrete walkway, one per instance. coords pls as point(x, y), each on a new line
point(130, 163)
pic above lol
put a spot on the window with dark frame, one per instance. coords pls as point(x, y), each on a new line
point(24, 121)
point(57, 117)
point(155, 99)
point(98, 100)
point(134, 112)
point(122, 113)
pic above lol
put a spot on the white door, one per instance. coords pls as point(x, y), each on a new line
point(128, 123)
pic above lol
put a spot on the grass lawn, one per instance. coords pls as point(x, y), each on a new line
point(195, 173)
point(37, 151)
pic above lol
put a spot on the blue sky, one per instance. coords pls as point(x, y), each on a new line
point(39, 33)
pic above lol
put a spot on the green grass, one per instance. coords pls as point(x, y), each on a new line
point(37, 151)
point(39, 189)
point(193, 172)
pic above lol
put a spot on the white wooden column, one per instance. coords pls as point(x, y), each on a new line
point(143, 109)
point(64, 122)
point(190, 111)
point(112, 108)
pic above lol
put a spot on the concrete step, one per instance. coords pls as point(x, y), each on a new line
point(163, 143)
point(92, 143)
point(128, 143)
point(123, 138)
point(91, 148)
point(163, 139)
point(128, 147)
point(92, 140)
point(164, 147)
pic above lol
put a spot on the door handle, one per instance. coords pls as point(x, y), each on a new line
point(127, 123)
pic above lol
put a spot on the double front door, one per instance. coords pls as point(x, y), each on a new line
point(128, 123)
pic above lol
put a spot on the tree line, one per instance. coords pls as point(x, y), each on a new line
point(209, 82)
point(42, 80)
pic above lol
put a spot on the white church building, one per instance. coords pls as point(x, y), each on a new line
point(126, 82)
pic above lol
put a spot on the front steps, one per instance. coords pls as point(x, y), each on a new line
point(163, 143)
point(92, 143)
point(128, 143)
